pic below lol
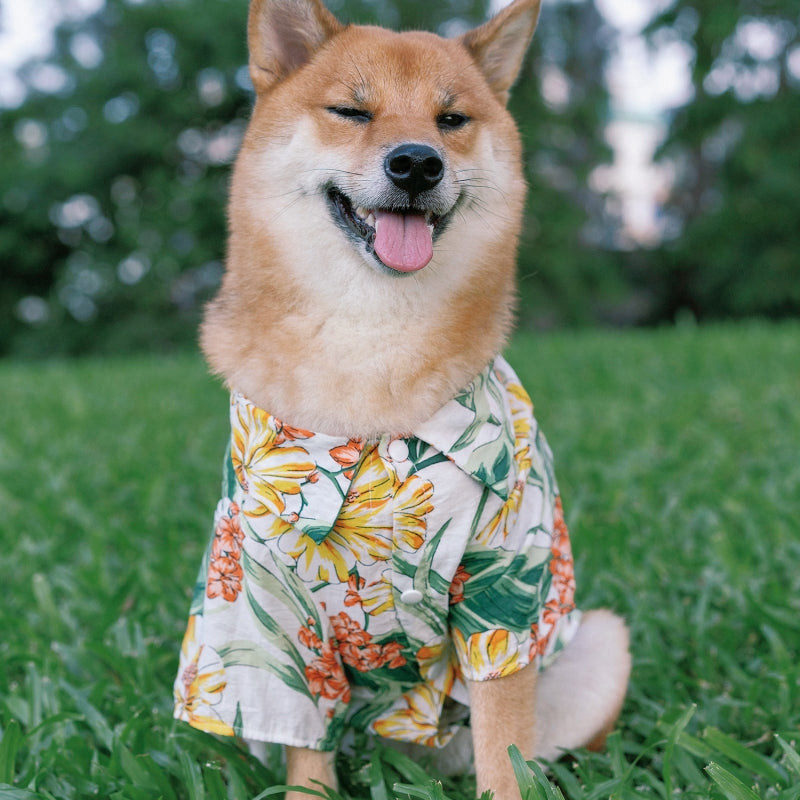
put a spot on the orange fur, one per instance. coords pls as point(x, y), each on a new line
point(300, 318)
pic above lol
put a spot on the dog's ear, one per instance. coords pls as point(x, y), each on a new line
point(282, 35)
point(499, 45)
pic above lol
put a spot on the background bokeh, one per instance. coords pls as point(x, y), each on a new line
point(115, 152)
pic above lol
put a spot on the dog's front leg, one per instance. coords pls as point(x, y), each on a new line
point(304, 766)
point(501, 714)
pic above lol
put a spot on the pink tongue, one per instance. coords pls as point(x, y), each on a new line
point(402, 241)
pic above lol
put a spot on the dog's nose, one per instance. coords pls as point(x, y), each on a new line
point(414, 168)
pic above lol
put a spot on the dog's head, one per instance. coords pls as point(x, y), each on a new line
point(402, 138)
point(374, 214)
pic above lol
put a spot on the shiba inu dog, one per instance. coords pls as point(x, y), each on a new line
point(390, 544)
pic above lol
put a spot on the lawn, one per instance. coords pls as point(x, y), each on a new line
point(678, 455)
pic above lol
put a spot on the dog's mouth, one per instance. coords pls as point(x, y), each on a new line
point(401, 238)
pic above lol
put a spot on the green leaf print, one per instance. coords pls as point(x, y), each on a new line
point(246, 654)
point(425, 575)
point(492, 462)
point(318, 533)
point(504, 592)
point(334, 732)
point(274, 633)
point(476, 398)
point(199, 591)
point(425, 578)
point(237, 720)
point(230, 483)
point(285, 585)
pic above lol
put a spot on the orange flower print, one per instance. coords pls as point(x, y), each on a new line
point(326, 677)
point(224, 571)
point(228, 537)
point(561, 599)
point(392, 655)
point(357, 649)
point(288, 432)
point(363, 658)
point(538, 643)
point(562, 565)
point(354, 585)
point(348, 630)
point(308, 637)
point(224, 578)
point(457, 585)
point(348, 455)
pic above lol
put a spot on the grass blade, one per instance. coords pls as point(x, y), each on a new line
point(273, 790)
point(790, 754)
point(738, 753)
point(433, 791)
point(192, 777)
point(377, 785)
point(730, 785)
point(9, 747)
point(533, 783)
point(406, 766)
point(672, 739)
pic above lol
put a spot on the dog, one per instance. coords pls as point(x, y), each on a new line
point(389, 554)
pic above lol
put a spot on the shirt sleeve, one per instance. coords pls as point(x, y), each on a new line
point(500, 588)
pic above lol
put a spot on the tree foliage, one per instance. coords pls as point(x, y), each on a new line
point(112, 223)
point(735, 204)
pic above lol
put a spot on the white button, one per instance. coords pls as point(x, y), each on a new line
point(411, 597)
point(397, 450)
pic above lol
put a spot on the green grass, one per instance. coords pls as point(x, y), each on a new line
point(678, 455)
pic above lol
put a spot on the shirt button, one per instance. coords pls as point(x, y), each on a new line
point(411, 597)
point(397, 450)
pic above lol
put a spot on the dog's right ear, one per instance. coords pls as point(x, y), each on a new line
point(282, 35)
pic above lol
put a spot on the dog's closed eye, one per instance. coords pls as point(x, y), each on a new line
point(356, 114)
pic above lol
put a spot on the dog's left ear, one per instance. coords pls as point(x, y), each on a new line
point(499, 45)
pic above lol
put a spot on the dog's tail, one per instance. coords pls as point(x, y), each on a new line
point(580, 695)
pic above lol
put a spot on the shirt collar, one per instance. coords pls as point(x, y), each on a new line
point(475, 430)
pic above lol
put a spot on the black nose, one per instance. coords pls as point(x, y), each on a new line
point(414, 168)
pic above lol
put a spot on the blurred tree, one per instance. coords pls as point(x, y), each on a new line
point(733, 245)
point(115, 172)
point(113, 197)
point(569, 270)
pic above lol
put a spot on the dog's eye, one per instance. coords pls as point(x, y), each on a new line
point(357, 114)
point(452, 121)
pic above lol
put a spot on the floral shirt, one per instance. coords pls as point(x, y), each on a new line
point(360, 584)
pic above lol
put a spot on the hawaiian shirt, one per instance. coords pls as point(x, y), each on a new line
point(358, 584)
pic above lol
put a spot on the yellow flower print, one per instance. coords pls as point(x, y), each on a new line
point(492, 654)
point(438, 665)
point(416, 719)
point(362, 532)
point(412, 503)
point(265, 466)
point(522, 416)
point(328, 561)
point(200, 684)
point(503, 522)
point(376, 597)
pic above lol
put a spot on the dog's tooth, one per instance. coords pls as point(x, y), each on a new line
point(370, 220)
point(362, 212)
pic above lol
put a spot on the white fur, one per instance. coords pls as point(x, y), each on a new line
point(582, 692)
